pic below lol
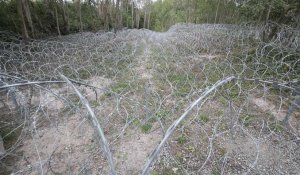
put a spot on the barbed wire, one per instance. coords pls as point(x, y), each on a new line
point(138, 83)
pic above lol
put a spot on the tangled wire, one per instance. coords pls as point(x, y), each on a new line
point(197, 99)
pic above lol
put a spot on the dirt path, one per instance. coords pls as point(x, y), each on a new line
point(133, 150)
point(135, 147)
point(144, 66)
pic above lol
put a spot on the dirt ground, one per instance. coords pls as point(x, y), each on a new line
point(226, 134)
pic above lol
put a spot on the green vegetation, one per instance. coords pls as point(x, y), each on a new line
point(168, 171)
point(184, 63)
point(84, 74)
point(34, 19)
point(181, 139)
point(204, 118)
point(146, 128)
point(181, 82)
point(154, 173)
point(247, 119)
point(277, 127)
point(119, 87)
point(162, 114)
point(10, 136)
point(94, 103)
point(215, 171)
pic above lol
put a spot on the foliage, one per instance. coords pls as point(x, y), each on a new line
point(53, 17)
point(66, 16)
point(281, 11)
point(146, 127)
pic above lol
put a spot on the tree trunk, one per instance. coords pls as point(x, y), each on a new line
point(195, 16)
point(23, 23)
point(65, 16)
point(145, 18)
point(117, 20)
point(149, 17)
point(105, 15)
point(57, 22)
point(132, 12)
point(268, 13)
point(79, 15)
point(28, 16)
point(102, 13)
point(36, 18)
point(127, 21)
point(188, 12)
point(137, 19)
point(216, 16)
point(121, 14)
point(99, 8)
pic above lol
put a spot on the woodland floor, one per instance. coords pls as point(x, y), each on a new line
point(239, 133)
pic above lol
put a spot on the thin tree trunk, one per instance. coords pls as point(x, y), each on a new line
point(268, 13)
point(65, 16)
point(121, 14)
point(102, 13)
point(14, 22)
point(148, 26)
point(127, 21)
point(145, 16)
point(105, 15)
point(216, 16)
point(195, 16)
point(28, 16)
point(57, 22)
point(111, 14)
point(117, 20)
point(36, 18)
point(188, 12)
point(132, 11)
point(137, 19)
point(99, 8)
point(79, 16)
point(23, 23)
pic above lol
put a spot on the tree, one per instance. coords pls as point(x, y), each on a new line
point(22, 18)
point(57, 22)
point(65, 16)
point(132, 13)
point(79, 15)
point(47, 17)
